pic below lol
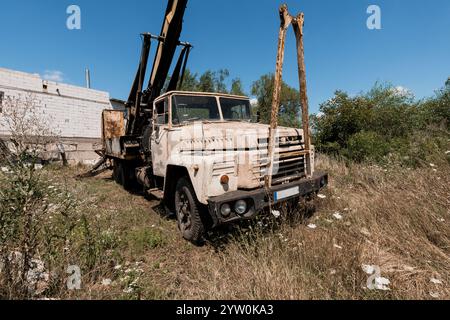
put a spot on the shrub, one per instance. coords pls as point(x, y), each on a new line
point(366, 146)
point(382, 125)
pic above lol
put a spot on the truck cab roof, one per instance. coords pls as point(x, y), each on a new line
point(193, 93)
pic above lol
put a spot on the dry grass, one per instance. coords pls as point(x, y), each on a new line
point(395, 218)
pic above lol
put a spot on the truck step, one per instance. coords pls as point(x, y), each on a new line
point(156, 193)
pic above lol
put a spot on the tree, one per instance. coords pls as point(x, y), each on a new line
point(290, 101)
point(213, 81)
point(206, 82)
point(219, 80)
point(236, 87)
point(30, 129)
point(190, 81)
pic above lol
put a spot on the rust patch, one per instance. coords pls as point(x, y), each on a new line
point(113, 124)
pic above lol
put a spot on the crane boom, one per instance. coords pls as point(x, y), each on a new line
point(140, 102)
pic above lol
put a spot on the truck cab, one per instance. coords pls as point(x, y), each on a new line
point(208, 160)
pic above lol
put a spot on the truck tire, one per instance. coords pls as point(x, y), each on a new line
point(116, 171)
point(188, 213)
point(127, 176)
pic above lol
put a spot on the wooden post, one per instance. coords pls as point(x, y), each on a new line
point(285, 20)
point(297, 24)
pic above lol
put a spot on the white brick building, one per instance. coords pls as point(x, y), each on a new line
point(75, 111)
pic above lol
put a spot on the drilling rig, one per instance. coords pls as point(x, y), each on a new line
point(202, 154)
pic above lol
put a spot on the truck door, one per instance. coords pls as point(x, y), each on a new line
point(159, 140)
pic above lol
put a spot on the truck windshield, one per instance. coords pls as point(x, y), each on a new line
point(194, 108)
point(235, 109)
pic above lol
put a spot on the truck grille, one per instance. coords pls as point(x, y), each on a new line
point(289, 159)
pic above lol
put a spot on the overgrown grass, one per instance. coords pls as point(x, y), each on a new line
point(392, 217)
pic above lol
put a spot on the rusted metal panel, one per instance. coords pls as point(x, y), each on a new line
point(113, 127)
point(113, 124)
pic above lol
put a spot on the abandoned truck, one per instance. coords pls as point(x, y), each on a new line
point(201, 153)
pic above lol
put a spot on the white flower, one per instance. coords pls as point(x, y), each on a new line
point(5, 169)
point(106, 282)
point(432, 165)
point(276, 213)
point(118, 267)
point(128, 290)
point(337, 216)
point(312, 226)
point(321, 196)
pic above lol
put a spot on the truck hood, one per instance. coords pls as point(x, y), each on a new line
point(235, 135)
point(239, 150)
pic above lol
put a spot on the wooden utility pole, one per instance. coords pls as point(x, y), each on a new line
point(285, 19)
point(297, 23)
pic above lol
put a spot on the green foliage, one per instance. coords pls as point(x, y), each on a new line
point(190, 81)
point(145, 238)
point(237, 88)
point(43, 230)
point(381, 125)
point(289, 103)
point(210, 81)
point(367, 145)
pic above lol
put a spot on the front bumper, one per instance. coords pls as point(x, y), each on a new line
point(259, 199)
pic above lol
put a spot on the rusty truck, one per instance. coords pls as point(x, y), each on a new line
point(202, 154)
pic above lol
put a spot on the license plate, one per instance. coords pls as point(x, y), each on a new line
point(280, 195)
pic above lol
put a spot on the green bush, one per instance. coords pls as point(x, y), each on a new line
point(367, 146)
point(43, 230)
point(382, 125)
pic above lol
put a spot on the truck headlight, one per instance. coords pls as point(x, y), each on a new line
point(225, 210)
point(240, 207)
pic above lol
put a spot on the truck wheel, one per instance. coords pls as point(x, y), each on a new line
point(188, 212)
point(117, 171)
point(127, 176)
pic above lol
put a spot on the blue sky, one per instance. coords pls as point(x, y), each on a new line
point(411, 50)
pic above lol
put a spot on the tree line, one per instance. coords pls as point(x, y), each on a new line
point(384, 124)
